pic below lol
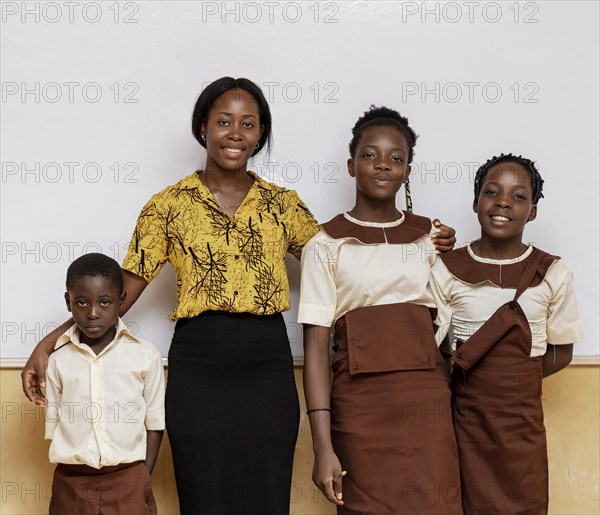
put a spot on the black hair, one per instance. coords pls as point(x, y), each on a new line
point(92, 265)
point(206, 99)
point(537, 183)
point(383, 116)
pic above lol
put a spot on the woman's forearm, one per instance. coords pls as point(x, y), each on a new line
point(33, 375)
point(47, 343)
point(133, 285)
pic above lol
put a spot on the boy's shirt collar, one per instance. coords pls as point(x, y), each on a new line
point(72, 336)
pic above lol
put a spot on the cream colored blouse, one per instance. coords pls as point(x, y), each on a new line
point(339, 275)
point(551, 307)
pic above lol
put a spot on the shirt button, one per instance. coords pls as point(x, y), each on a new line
point(459, 355)
point(237, 257)
point(235, 292)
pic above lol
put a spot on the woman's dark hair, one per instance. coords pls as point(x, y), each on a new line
point(217, 88)
point(93, 265)
point(537, 183)
point(383, 116)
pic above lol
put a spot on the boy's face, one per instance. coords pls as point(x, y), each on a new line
point(94, 302)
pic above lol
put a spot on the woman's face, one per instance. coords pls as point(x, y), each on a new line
point(232, 130)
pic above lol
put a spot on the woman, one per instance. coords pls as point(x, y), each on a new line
point(232, 406)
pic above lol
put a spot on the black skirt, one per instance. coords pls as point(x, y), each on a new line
point(232, 414)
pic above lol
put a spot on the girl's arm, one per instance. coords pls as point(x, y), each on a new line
point(563, 325)
point(317, 390)
point(33, 375)
point(556, 358)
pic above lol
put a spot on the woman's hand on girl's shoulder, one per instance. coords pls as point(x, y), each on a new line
point(445, 238)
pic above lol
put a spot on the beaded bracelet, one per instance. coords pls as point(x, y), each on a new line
point(308, 412)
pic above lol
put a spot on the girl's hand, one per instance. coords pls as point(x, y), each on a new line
point(327, 475)
point(445, 238)
point(33, 377)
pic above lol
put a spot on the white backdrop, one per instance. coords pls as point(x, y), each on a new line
point(97, 99)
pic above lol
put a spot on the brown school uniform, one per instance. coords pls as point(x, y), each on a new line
point(391, 417)
point(497, 387)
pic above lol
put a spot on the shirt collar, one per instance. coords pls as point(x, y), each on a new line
point(194, 180)
point(491, 261)
point(266, 185)
point(356, 221)
point(72, 336)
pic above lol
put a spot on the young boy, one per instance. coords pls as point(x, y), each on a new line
point(105, 390)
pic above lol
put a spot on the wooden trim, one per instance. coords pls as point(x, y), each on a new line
point(18, 363)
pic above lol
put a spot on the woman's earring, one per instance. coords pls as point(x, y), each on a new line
point(257, 145)
point(409, 205)
point(203, 137)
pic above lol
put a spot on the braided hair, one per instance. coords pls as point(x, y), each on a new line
point(537, 182)
point(383, 116)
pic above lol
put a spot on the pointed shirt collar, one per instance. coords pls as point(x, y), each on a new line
point(72, 336)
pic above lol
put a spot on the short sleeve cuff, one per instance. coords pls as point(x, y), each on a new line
point(51, 416)
point(314, 314)
point(155, 420)
point(132, 263)
point(570, 333)
point(50, 429)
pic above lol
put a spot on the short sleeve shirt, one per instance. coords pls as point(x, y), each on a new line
point(100, 406)
point(342, 274)
point(550, 307)
point(222, 263)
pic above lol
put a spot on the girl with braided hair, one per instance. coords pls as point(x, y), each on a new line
point(515, 319)
point(386, 419)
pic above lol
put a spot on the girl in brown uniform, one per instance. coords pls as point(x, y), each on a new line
point(515, 318)
point(386, 419)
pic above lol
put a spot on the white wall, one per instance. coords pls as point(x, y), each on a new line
point(97, 99)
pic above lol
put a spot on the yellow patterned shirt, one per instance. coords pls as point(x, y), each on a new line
point(235, 265)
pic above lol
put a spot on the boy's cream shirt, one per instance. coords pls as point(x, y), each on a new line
point(100, 406)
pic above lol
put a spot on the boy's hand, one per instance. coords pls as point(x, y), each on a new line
point(445, 238)
point(33, 377)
